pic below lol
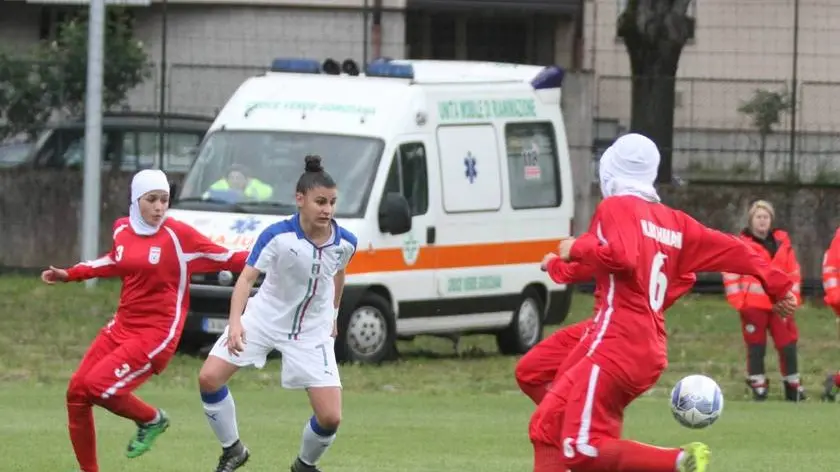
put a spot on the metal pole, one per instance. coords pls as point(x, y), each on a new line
point(163, 40)
point(365, 35)
point(91, 192)
point(793, 92)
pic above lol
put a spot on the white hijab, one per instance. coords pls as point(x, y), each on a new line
point(144, 182)
point(629, 167)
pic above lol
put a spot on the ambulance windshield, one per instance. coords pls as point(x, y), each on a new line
point(256, 171)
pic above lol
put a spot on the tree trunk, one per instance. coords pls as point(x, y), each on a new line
point(654, 33)
point(653, 96)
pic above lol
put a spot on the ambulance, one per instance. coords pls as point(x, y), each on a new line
point(453, 175)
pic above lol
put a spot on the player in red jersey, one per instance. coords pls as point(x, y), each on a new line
point(536, 370)
point(540, 366)
point(154, 256)
point(642, 246)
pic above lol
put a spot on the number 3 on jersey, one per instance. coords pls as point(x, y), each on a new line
point(658, 286)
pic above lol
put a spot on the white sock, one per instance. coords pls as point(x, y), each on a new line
point(221, 414)
point(680, 457)
point(757, 379)
point(156, 420)
point(792, 378)
point(315, 442)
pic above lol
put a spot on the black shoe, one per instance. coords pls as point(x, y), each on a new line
point(759, 390)
point(794, 392)
point(233, 457)
point(299, 466)
point(830, 389)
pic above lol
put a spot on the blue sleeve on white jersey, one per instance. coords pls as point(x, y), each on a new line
point(265, 251)
point(349, 241)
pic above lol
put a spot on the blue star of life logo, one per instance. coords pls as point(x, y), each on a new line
point(245, 225)
point(471, 173)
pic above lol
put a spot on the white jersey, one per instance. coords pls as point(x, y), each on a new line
point(297, 296)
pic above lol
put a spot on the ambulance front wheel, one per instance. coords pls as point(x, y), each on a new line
point(526, 327)
point(368, 334)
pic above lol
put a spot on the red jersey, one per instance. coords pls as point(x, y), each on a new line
point(155, 272)
point(562, 272)
point(643, 248)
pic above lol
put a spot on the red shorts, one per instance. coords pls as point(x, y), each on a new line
point(755, 322)
point(541, 364)
point(585, 406)
point(110, 368)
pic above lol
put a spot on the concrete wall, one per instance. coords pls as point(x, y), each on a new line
point(42, 227)
point(576, 101)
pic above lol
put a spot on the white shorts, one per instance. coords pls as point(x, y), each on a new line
point(306, 363)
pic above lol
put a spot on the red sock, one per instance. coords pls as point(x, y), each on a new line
point(837, 379)
point(129, 406)
point(83, 435)
point(548, 458)
point(536, 392)
point(630, 456)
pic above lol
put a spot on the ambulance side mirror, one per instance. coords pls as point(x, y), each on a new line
point(394, 214)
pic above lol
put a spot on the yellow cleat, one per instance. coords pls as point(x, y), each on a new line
point(696, 457)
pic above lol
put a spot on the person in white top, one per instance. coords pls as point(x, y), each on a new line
point(294, 311)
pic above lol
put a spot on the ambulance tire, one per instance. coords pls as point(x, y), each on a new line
point(368, 333)
point(526, 327)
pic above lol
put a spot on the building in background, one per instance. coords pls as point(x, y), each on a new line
point(213, 46)
point(738, 46)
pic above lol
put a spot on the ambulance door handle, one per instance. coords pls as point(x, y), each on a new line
point(430, 235)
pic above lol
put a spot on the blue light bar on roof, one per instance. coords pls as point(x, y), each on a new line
point(384, 69)
point(301, 66)
point(549, 78)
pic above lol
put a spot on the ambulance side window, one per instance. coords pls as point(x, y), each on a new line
point(532, 165)
point(408, 177)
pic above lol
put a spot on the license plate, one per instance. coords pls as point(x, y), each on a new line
point(214, 325)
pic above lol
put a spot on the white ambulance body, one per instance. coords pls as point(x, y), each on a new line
point(454, 176)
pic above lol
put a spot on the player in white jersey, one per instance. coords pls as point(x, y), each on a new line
point(294, 311)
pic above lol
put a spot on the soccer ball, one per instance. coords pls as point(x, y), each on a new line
point(696, 401)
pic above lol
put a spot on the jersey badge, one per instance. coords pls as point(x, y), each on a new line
point(154, 255)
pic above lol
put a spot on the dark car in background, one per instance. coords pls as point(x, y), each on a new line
point(130, 141)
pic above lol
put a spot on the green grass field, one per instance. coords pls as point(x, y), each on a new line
point(434, 410)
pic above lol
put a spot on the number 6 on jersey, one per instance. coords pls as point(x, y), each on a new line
point(658, 286)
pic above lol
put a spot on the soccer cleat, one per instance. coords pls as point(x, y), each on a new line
point(233, 457)
point(696, 457)
point(299, 466)
point(759, 390)
point(146, 436)
point(794, 392)
point(830, 392)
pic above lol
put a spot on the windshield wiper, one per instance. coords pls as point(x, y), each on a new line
point(232, 206)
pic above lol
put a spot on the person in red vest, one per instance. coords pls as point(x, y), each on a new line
point(747, 296)
point(831, 287)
